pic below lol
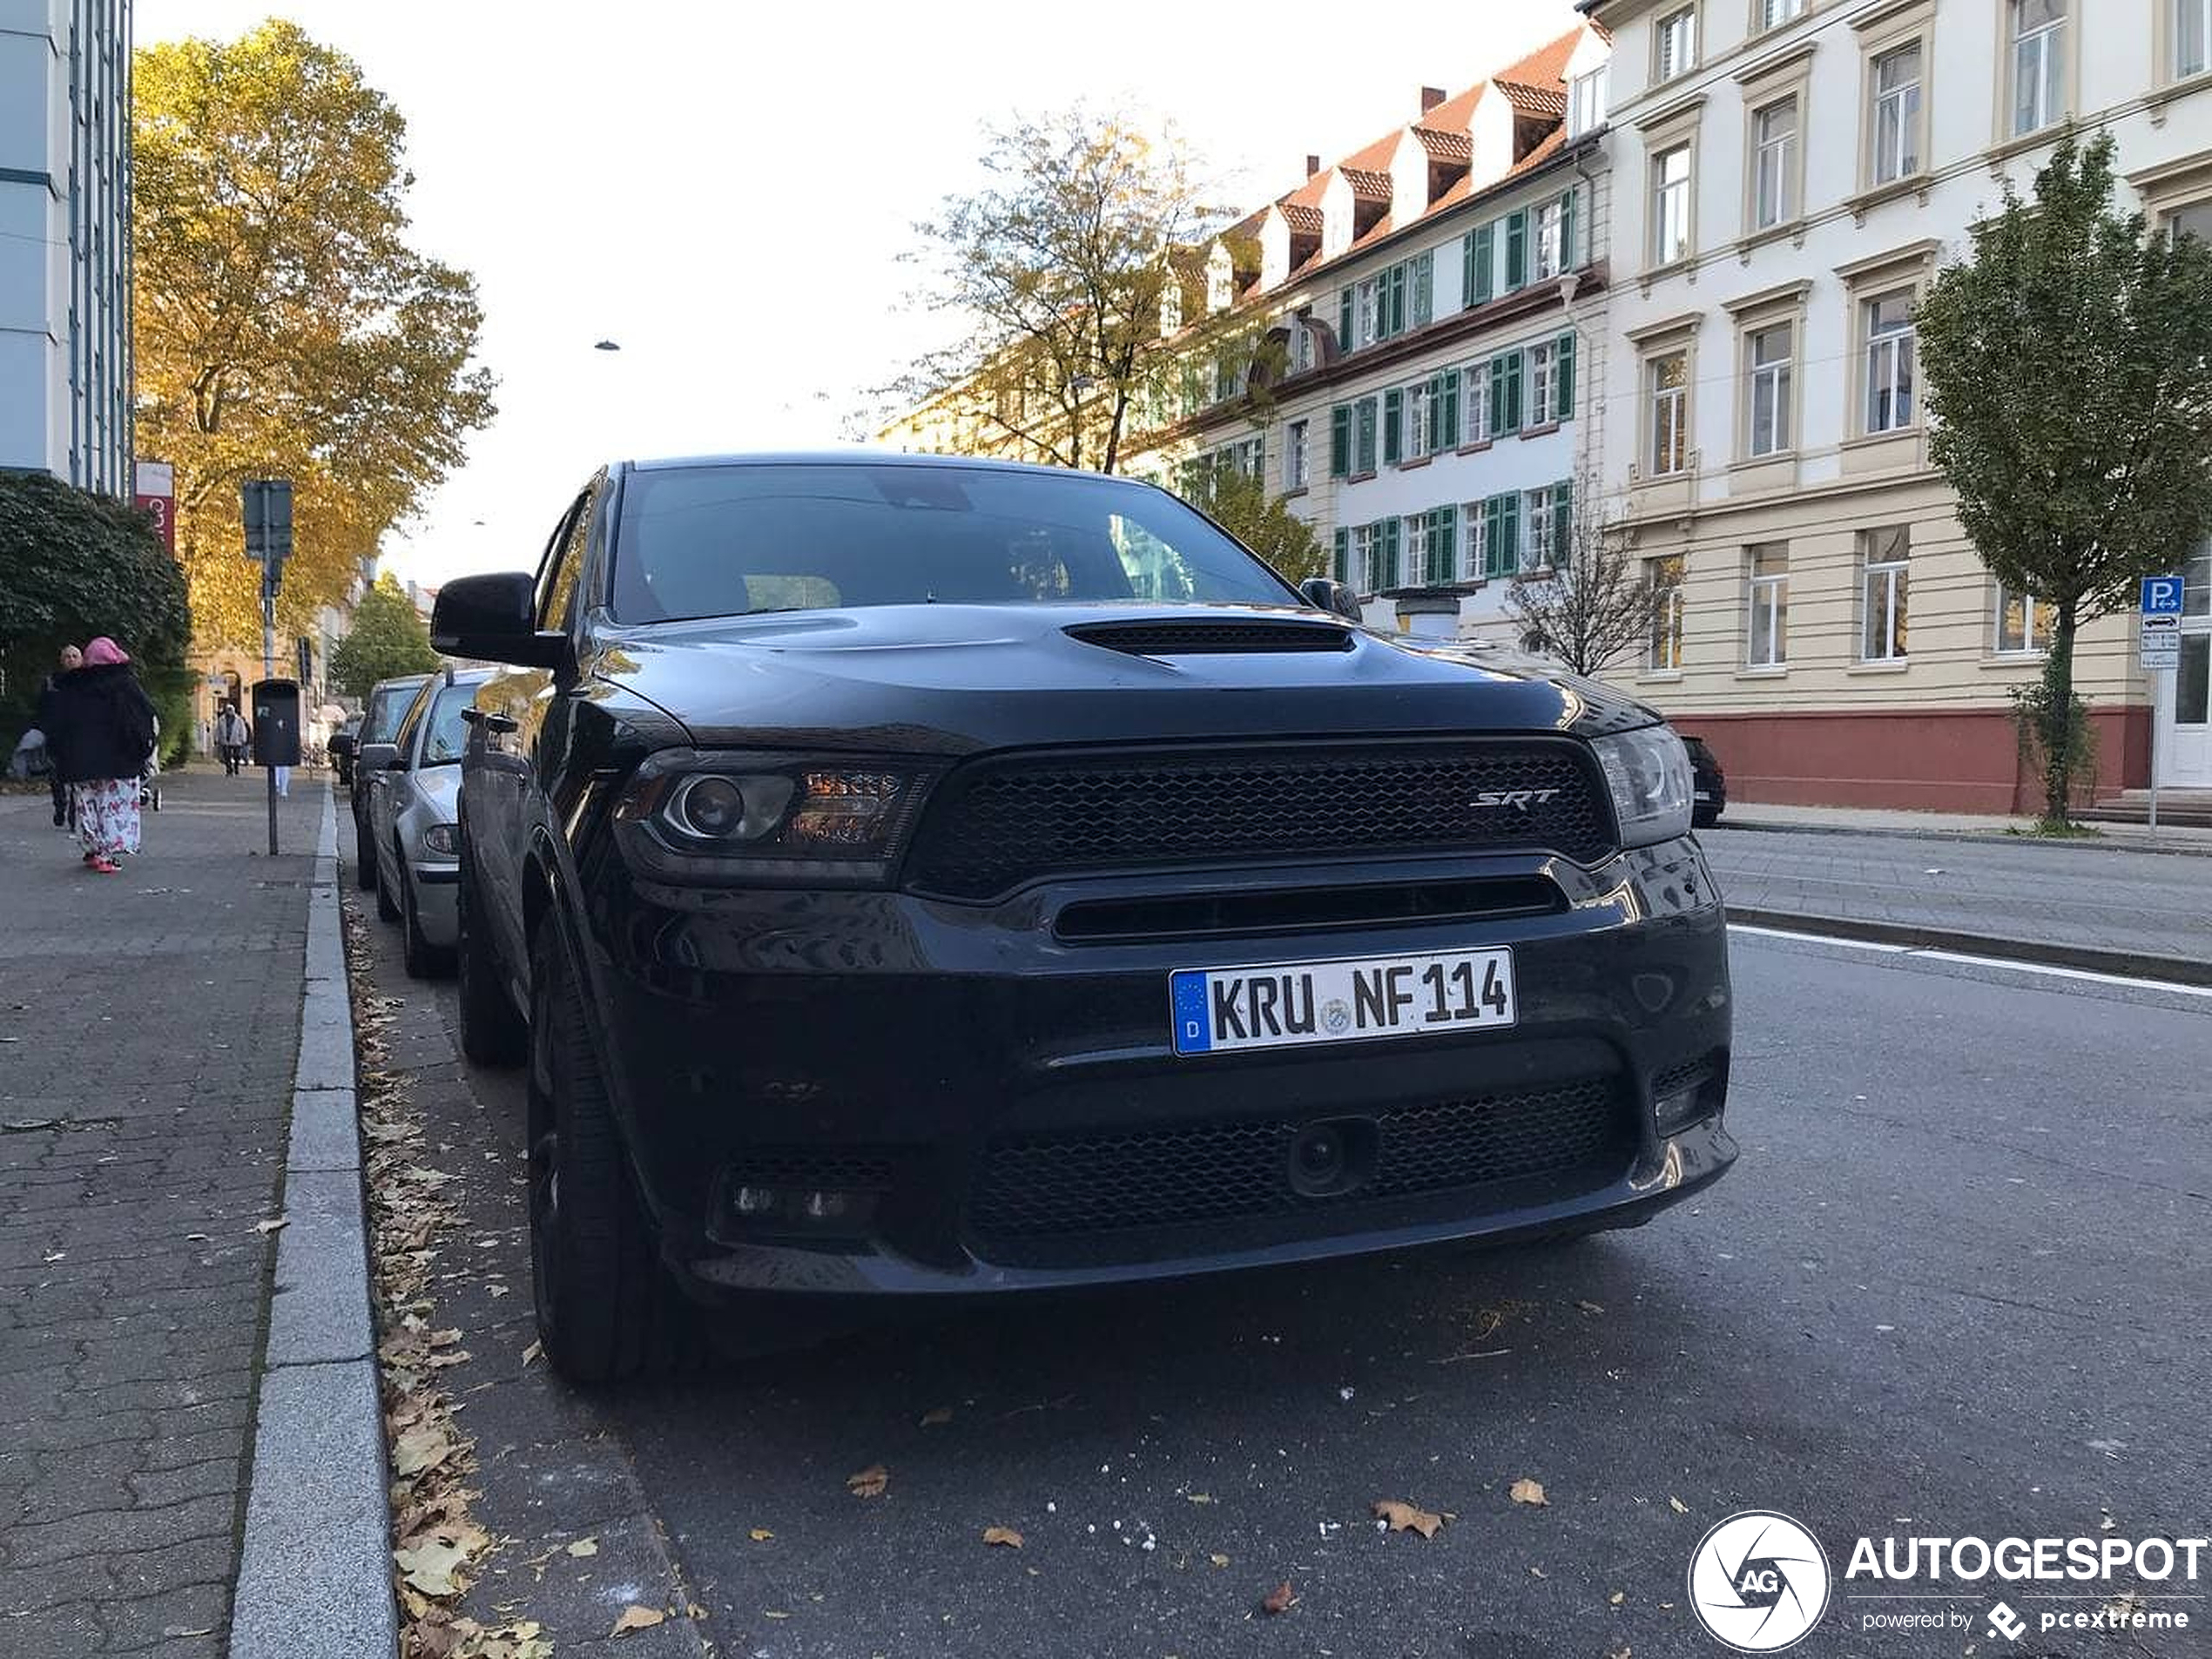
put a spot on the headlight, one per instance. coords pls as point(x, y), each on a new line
point(438, 841)
point(1649, 773)
point(689, 816)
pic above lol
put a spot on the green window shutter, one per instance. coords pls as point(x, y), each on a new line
point(1486, 246)
point(1392, 302)
point(1466, 269)
point(1516, 248)
point(1490, 522)
point(1497, 396)
point(1390, 540)
point(1563, 380)
point(1363, 457)
point(1344, 320)
point(1424, 289)
point(1509, 537)
point(1563, 524)
point(1446, 418)
point(1394, 427)
point(1340, 442)
point(1567, 259)
point(1511, 381)
point(1344, 556)
point(1443, 535)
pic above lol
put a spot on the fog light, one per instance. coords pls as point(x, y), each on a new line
point(827, 1206)
point(753, 1201)
point(1675, 1109)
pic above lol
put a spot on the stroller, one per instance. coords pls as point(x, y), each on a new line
point(150, 774)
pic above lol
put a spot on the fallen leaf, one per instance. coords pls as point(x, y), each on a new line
point(1005, 1536)
point(420, 1449)
point(1616, 1598)
point(430, 1566)
point(273, 1224)
point(1281, 1597)
point(775, 1615)
point(1527, 1491)
point(693, 1610)
point(635, 1617)
point(937, 1417)
point(1404, 1517)
point(1538, 1572)
point(870, 1482)
point(1590, 1307)
point(535, 1351)
point(1677, 1506)
point(761, 1534)
point(1200, 1497)
point(1218, 1561)
point(584, 1547)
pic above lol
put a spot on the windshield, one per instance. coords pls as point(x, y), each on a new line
point(729, 540)
point(448, 733)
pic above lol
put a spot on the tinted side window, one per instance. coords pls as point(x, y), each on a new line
point(405, 736)
point(556, 590)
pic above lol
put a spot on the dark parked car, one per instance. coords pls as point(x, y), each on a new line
point(381, 716)
point(1709, 783)
point(917, 877)
point(341, 745)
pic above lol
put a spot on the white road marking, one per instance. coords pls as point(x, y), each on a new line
point(1929, 954)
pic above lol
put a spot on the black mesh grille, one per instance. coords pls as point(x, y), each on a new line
point(1065, 1190)
point(838, 1170)
point(996, 824)
point(1212, 638)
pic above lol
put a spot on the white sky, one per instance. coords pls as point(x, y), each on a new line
point(725, 188)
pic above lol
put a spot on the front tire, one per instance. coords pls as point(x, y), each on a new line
point(602, 1302)
point(492, 1032)
point(364, 854)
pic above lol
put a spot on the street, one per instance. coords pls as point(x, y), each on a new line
point(1953, 1288)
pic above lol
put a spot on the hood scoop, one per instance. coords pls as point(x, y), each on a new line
point(1205, 639)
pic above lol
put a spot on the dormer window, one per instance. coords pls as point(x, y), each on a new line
point(1170, 305)
point(1221, 279)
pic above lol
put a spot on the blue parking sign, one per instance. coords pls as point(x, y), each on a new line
point(2162, 595)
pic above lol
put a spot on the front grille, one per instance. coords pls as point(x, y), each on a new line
point(1044, 1197)
point(997, 823)
point(1212, 638)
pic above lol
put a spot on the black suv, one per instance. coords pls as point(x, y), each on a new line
point(919, 877)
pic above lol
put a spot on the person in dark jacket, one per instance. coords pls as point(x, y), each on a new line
point(106, 725)
point(72, 659)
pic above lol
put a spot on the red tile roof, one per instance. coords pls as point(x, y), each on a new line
point(1445, 146)
point(1547, 65)
point(1366, 185)
point(1301, 216)
point(1535, 100)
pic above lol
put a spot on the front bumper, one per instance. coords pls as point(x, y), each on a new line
point(436, 909)
point(1008, 1104)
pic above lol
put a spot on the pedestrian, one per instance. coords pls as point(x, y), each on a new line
point(107, 727)
point(231, 739)
point(71, 659)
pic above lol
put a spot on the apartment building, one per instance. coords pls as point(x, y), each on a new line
point(65, 240)
point(1791, 175)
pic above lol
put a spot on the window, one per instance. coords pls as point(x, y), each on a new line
point(1551, 253)
point(2195, 220)
point(1475, 399)
point(1543, 376)
point(1545, 529)
point(1374, 308)
point(1774, 140)
point(1365, 323)
point(1363, 435)
point(1768, 426)
point(1301, 348)
point(1663, 578)
point(2023, 623)
point(1889, 362)
point(1585, 102)
point(1500, 534)
point(1883, 556)
point(1896, 114)
point(1768, 640)
point(1294, 456)
point(1677, 41)
point(1772, 14)
point(1669, 379)
point(2039, 60)
point(1365, 539)
point(1670, 205)
point(2192, 25)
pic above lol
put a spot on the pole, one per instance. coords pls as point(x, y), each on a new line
point(268, 673)
point(2157, 701)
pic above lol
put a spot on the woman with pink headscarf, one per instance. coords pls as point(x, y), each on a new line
point(107, 732)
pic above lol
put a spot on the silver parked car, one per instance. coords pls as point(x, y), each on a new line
point(414, 802)
point(372, 751)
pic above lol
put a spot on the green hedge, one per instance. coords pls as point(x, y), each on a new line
point(74, 566)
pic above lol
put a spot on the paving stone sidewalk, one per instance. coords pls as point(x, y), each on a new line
point(149, 1024)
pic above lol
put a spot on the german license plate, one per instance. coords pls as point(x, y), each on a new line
point(1290, 1004)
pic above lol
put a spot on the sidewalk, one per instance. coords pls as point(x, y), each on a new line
point(149, 1025)
point(1822, 821)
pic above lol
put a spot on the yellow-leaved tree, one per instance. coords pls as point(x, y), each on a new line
point(285, 328)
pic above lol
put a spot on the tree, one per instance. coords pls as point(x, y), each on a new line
point(74, 566)
point(2069, 373)
point(1593, 608)
point(1244, 506)
point(1062, 270)
point(285, 328)
point(387, 640)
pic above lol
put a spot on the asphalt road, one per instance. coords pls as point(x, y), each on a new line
point(1954, 1287)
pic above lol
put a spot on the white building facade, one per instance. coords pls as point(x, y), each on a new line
point(1790, 177)
point(65, 354)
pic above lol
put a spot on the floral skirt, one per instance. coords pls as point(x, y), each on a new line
point(107, 816)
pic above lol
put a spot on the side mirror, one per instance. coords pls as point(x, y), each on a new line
point(1324, 594)
point(494, 619)
point(375, 756)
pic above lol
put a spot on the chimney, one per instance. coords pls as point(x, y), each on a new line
point(1312, 166)
point(1431, 97)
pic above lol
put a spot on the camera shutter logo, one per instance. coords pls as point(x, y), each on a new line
point(1758, 1582)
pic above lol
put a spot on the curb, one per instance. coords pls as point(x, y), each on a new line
point(315, 1577)
point(1988, 838)
point(2088, 959)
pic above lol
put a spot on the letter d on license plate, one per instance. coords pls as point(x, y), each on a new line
point(1295, 1004)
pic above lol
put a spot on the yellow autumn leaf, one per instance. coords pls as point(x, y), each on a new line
point(1404, 1517)
point(635, 1617)
point(1527, 1491)
point(1006, 1535)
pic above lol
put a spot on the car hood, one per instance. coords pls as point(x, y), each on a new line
point(956, 680)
